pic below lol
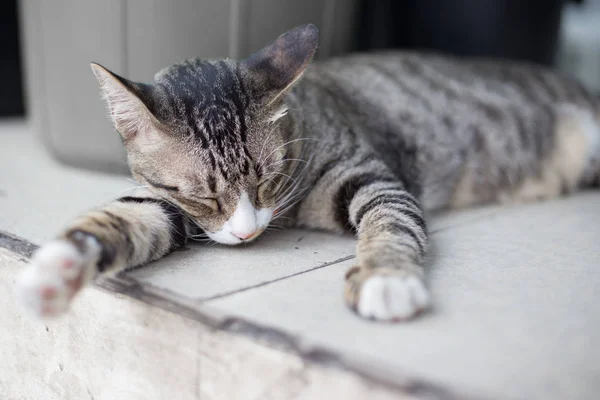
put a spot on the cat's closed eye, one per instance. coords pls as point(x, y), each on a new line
point(158, 185)
point(211, 203)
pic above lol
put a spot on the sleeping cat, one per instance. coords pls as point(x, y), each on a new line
point(362, 144)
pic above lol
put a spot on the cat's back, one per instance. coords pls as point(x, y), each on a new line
point(433, 82)
point(497, 116)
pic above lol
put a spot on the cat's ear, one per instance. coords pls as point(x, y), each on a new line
point(128, 103)
point(275, 68)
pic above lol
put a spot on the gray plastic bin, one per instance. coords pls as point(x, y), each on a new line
point(136, 38)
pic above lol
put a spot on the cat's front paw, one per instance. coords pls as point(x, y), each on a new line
point(54, 275)
point(385, 295)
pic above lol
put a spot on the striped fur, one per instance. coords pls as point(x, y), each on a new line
point(360, 144)
point(133, 231)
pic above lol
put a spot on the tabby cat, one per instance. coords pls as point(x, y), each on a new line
point(363, 143)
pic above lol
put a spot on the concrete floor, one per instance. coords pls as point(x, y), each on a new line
point(515, 313)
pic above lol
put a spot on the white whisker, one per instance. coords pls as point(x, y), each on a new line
point(265, 142)
point(284, 160)
point(291, 194)
point(261, 160)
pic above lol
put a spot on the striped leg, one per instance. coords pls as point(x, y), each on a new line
point(123, 234)
point(387, 282)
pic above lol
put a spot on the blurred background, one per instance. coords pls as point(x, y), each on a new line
point(46, 47)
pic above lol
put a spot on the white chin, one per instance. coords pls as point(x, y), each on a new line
point(245, 220)
point(224, 238)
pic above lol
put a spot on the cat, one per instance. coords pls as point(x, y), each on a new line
point(363, 143)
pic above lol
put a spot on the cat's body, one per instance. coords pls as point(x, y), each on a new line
point(461, 132)
point(368, 142)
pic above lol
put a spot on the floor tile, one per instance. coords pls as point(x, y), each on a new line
point(204, 271)
point(515, 307)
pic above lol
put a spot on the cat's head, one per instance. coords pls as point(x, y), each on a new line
point(208, 135)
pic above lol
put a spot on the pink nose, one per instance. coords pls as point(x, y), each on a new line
point(243, 236)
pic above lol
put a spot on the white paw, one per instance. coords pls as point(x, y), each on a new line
point(390, 298)
point(54, 274)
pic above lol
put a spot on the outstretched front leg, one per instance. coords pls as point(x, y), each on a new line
point(126, 233)
point(387, 282)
